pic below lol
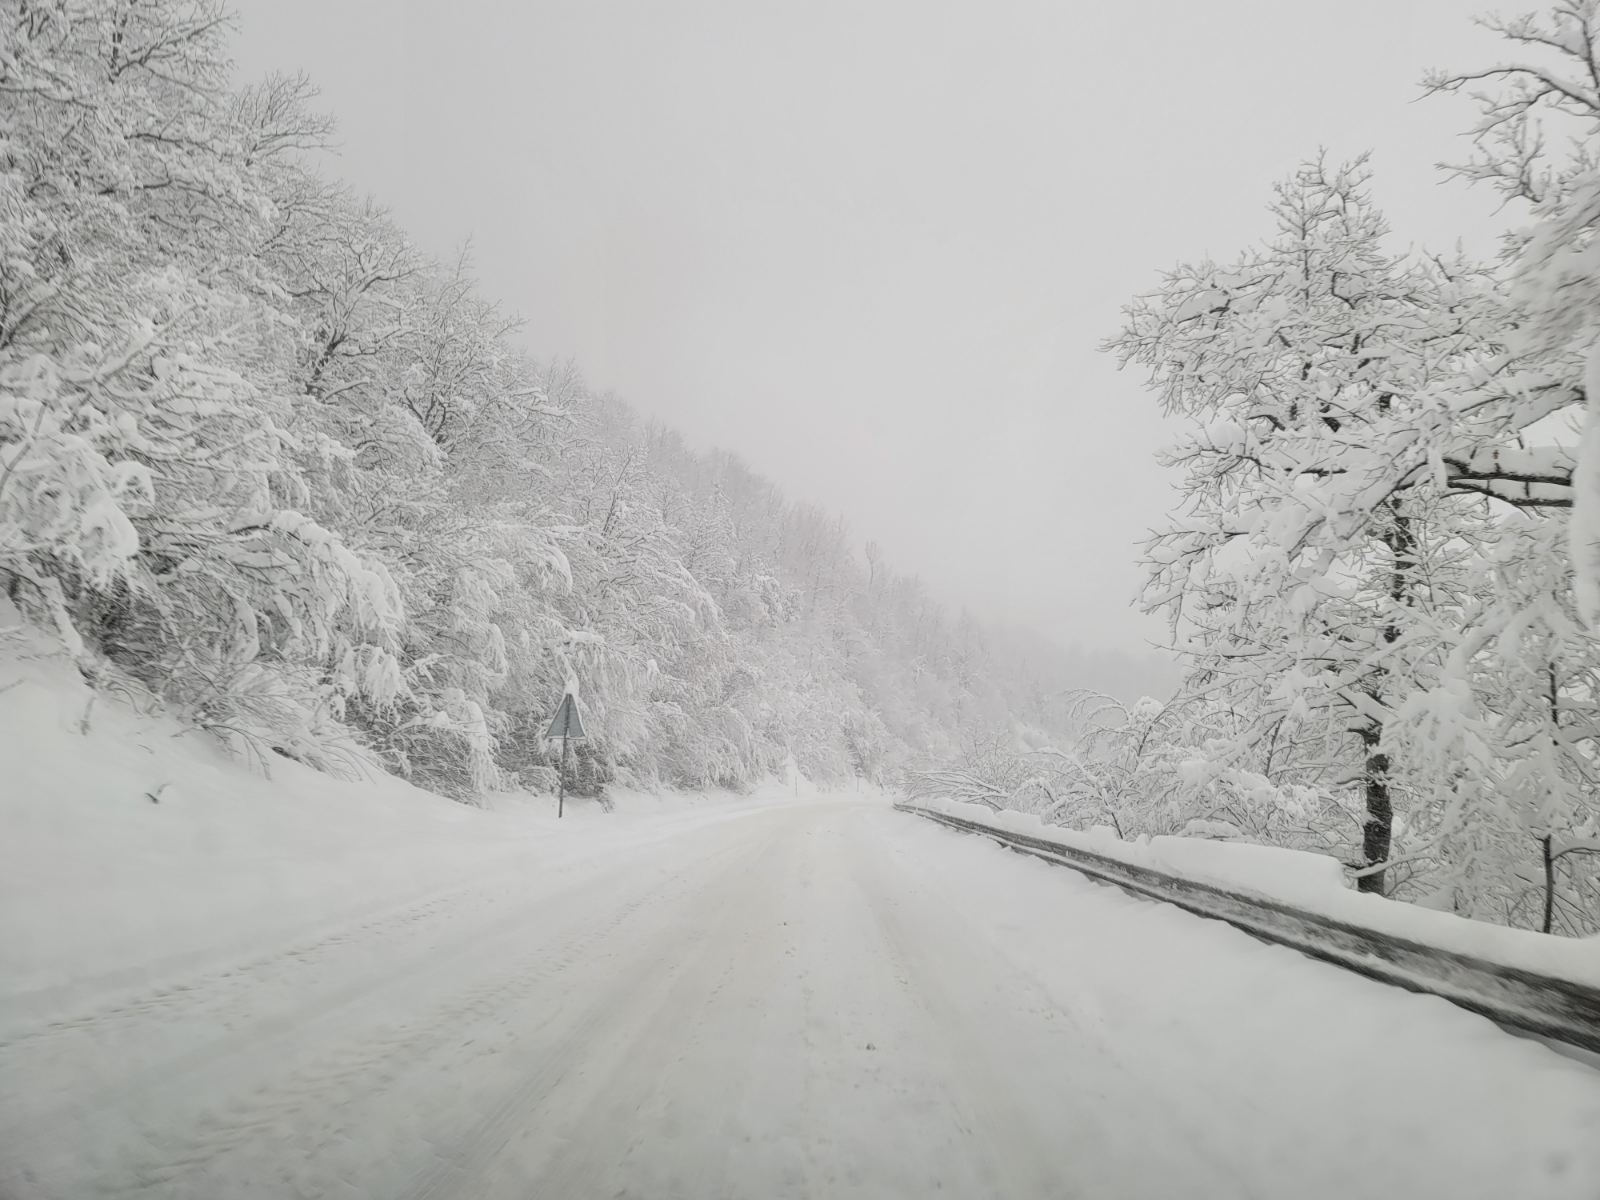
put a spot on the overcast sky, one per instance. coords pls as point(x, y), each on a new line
point(872, 246)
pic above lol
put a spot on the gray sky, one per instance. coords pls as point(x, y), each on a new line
point(872, 245)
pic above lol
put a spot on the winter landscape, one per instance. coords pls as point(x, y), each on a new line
point(551, 554)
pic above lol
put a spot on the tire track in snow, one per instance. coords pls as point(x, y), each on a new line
point(625, 1031)
point(950, 964)
point(180, 1029)
point(326, 1070)
point(365, 1067)
point(647, 1035)
point(197, 980)
point(184, 996)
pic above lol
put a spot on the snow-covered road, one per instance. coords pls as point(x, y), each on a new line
point(825, 999)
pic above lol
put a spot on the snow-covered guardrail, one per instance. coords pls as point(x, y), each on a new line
point(1560, 1009)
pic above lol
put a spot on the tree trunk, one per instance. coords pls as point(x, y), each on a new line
point(1549, 884)
point(1553, 697)
point(1377, 830)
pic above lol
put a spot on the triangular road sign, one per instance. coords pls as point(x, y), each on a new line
point(566, 723)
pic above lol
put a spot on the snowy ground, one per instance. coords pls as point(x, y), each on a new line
point(133, 848)
point(806, 999)
point(301, 988)
point(1314, 883)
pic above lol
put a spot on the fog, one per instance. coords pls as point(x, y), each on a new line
point(874, 248)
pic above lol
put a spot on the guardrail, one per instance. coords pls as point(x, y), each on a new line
point(1515, 998)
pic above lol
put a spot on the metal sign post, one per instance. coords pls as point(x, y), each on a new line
point(561, 792)
point(566, 725)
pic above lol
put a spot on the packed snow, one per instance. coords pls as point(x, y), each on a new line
point(267, 465)
point(221, 986)
point(137, 846)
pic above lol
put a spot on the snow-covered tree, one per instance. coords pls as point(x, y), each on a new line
point(1308, 546)
point(262, 453)
point(1535, 141)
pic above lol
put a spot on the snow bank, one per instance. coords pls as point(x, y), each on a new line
point(1266, 870)
point(134, 847)
point(1315, 883)
point(1262, 870)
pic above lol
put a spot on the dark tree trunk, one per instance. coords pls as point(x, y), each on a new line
point(1553, 698)
point(1549, 884)
point(1377, 830)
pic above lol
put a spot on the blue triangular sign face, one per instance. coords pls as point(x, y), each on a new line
point(566, 723)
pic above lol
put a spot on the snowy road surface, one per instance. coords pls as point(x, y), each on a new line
point(823, 999)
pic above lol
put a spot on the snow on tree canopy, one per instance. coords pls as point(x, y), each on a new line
point(263, 457)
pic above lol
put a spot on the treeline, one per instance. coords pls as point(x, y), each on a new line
point(264, 459)
point(1384, 566)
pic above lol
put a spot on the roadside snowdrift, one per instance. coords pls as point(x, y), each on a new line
point(133, 847)
point(1312, 882)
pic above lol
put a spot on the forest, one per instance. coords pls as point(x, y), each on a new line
point(267, 462)
point(1382, 567)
